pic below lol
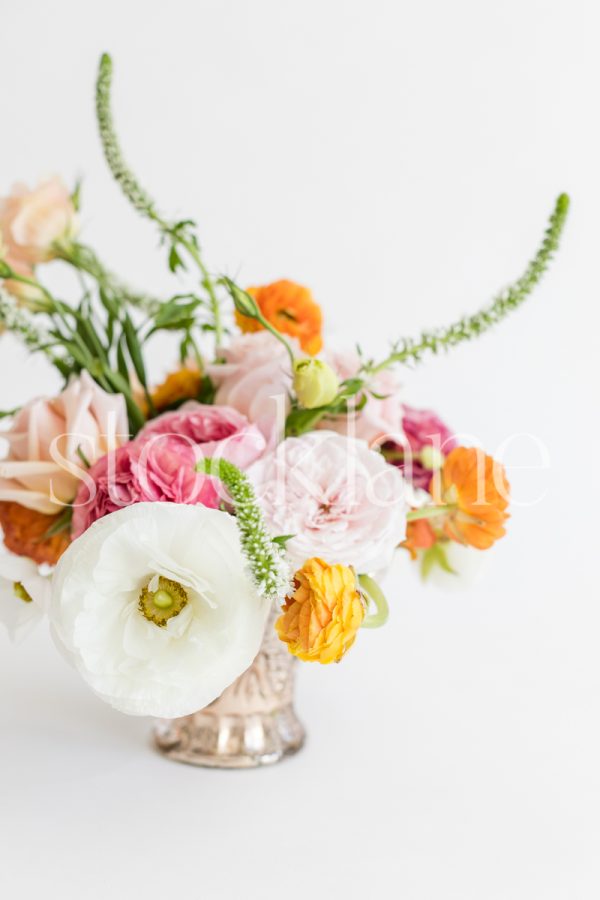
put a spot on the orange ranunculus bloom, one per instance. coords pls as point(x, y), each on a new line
point(419, 536)
point(184, 384)
point(24, 531)
point(320, 620)
point(291, 309)
point(476, 486)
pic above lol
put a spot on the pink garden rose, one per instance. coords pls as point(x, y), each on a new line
point(256, 379)
point(160, 464)
point(379, 418)
point(32, 220)
point(43, 467)
point(426, 441)
point(339, 499)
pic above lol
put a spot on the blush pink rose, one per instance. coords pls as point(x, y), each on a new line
point(381, 416)
point(340, 500)
point(256, 380)
point(160, 464)
point(44, 466)
point(31, 221)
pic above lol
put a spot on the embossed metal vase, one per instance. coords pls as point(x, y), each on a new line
point(252, 723)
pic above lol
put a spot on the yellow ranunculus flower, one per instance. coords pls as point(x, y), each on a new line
point(320, 620)
point(184, 384)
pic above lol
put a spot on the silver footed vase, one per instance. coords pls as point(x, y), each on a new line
point(253, 722)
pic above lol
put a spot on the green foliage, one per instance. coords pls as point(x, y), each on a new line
point(265, 556)
point(122, 174)
point(352, 397)
point(177, 235)
point(435, 556)
point(469, 327)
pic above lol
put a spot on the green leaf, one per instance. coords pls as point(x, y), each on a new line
point(282, 539)
point(6, 413)
point(135, 350)
point(435, 556)
point(175, 260)
point(63, 523)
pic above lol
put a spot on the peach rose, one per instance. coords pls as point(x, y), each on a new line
point(49, 438)
point(32, 220)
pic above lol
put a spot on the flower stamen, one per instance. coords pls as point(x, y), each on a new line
point(21, 593)
point(161, 600)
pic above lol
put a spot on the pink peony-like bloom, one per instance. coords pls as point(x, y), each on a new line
point(340, 500)
point(427, 440)
point(160, 464)
point(48, 439)
point(113, 485)
point(381, 417)
point(256, 379)
point(31, 220)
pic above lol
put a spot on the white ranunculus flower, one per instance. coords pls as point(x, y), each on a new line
point(24, 594)
point(155, 606)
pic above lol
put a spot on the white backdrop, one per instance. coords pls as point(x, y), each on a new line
point(401, 159)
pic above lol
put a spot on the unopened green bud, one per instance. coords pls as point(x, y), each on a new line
point(244, 303)
point(315, 383)
point(431, 457)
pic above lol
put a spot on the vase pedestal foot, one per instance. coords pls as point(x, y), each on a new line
point(230, 741)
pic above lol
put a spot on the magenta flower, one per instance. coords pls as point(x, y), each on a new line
point(427, 441)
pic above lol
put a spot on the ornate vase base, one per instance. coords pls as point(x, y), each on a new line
point(230, 741)
point(252, 723)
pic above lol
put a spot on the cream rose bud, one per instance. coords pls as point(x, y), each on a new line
point(315, 383)
point(156, 608)
point(32, 221)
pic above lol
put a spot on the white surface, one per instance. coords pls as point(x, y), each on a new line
point(401, 159)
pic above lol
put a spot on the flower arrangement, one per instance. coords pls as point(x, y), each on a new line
point(157, 527)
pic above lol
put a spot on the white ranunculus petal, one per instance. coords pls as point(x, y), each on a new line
point(133, 664)
point(18, 616)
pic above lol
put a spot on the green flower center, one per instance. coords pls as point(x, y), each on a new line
point(21, 594)
point(161, 600)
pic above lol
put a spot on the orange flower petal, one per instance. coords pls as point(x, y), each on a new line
point(290, 307)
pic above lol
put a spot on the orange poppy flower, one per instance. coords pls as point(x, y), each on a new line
point(474, 485)
point(24, 531)
point(291, 309)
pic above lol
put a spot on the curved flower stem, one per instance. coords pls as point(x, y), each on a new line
point(208, 285)
point(410, 350)
point(375, 594)
point(177, 233)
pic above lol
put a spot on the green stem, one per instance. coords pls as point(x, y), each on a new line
point(84, 259)
point(469, 327)
point(374, 593)
point(208, 285)
point(136, 194)
point(429, 512)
